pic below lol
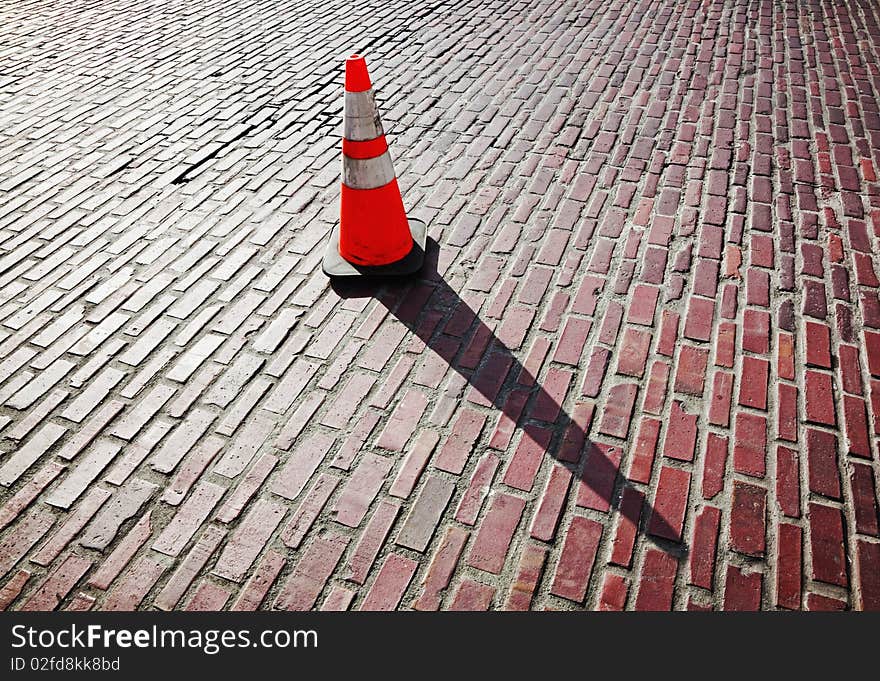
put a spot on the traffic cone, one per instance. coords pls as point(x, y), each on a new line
point(374, 235)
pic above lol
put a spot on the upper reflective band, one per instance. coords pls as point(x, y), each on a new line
point(367, 149)
point(361, 117)
point(367, 173)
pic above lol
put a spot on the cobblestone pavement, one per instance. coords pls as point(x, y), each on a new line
point(641, 370)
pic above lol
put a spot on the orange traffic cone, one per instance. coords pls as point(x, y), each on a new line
point(373, 236)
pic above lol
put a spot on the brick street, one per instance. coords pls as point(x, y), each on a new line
point(640, 369)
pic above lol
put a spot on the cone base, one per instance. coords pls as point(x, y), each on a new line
point(334, 265)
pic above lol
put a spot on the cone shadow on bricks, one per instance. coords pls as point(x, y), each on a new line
point(374, 236)
point(408, 302)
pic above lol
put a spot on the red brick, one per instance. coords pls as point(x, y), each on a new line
point(722, 394)
point(850, 369)
point(13, 588)
point(309, 509)
point(868, 555)
point(361, 488)
point(114, 563)
point(655, 393)
point(531, 567)
point(819, 603)
point(748, 515)
point(390, 583)
point(788, 482)
point(394, 379)
point(307, 580)
point(822, 463)
point(473, 596)
point(827, 544)
point(472, 499)
point(761, 251)
point(749, 445)
point(756, 331)
point(681, 434)
point(698, 323)
point(301, 465)
point(875, 406)
point(255, 590)
point(528, 457)
point(58, 583)
point(133, 587)
point(618, 410)
point(508, 419)
point(403, 421)
point(424, 516)
point(414, 463)
point(515, 325)
point(248, 540)
point(342, 410)
point(864, 498)
point(725, 344)
point(338, 600)
point(595, 372)
point(786, 413)
point(653, 265)
point(489, 378)
point(628, 517)
point(611, 323)
point(615, 590)
point(489, 550)
point(441, 568)
point(572, 341)
point(714, 465)
point(644, 302)
point(633, 352)
point(819, 398)
point(642, 459)
point(576, 561)
point(208, 597)
point(703, 547)
point(785, 356)
point(72, 526)
point(668, 333)
point(818, 345)
point(742, 591)
point(753, 383)
point(371, 541)
point(596, 485)
point(454, 453)
point(188, 518)
point(872, 352)
point(549, 511)
point(788, 567)
point(587, 295)
point(690, 375)
point(855, 419)
point(189, 568)
point(758, 288)
point(657, 581)
point(670, 503)
point(24, 536)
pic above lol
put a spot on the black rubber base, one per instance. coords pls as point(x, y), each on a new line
point(334, 265)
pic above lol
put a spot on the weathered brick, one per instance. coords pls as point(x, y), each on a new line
point(575, 565)
point(489, 550)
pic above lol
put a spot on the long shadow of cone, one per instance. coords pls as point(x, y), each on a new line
point(430, 308)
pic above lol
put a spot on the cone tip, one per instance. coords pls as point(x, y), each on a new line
point(356, 77)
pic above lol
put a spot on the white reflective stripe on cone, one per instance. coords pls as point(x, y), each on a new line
point(367, 173)
point(361, 117)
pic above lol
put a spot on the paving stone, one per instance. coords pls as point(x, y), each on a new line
point(649, 319)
